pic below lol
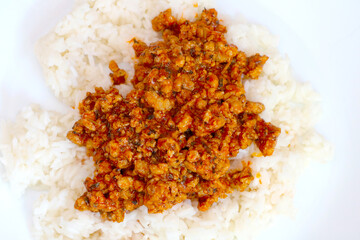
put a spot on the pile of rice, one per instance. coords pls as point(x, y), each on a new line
point(75, 57)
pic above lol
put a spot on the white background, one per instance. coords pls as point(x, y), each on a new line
point(322, 40)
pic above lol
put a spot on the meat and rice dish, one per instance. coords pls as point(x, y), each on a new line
point(179, 124)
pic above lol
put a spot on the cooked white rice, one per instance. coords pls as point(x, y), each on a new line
point(75, 57)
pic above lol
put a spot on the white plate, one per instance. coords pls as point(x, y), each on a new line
point(322, 40)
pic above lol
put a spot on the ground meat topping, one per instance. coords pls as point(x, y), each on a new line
point(170, 139)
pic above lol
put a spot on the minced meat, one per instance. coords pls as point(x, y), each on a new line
point(170, 139)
